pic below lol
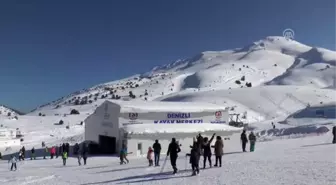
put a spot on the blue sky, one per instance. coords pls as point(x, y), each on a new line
point(49, 49)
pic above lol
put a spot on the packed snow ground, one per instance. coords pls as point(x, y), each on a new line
point(307, 160)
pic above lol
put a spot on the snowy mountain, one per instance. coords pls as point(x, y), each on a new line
point(271, 61)
point(8, 112)
point(271, 80)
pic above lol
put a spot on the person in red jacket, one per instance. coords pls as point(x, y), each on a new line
point(52, 152)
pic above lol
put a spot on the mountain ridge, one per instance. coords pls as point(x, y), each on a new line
point(270, 61)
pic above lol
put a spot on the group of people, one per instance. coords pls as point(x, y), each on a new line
point(81, 152)
point(201, 147)
point(244, 140)
point(63, 150)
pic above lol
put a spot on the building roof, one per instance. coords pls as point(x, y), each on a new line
point(157, 106)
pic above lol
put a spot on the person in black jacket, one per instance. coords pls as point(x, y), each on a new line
point(334, 133)
point(157, 151)
point(67, 148)
point(244, 140)
point(23, 153)
point(194, 157)
point(63, 148)
point(85, 151)
point(207, 150)
point(173, 150)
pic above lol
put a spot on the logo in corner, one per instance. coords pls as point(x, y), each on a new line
point(288, 34)
point(218, 114)
point(133, 116)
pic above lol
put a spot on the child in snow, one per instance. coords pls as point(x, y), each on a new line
point(194, 158)
point(123, 156)
point(150, 156)
point(13, 160)
point(64, 157)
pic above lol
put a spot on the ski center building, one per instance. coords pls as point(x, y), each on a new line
point(137, 124)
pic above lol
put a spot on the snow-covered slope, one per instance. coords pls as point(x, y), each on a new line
point(266, 81)
point(8, 112)
point(270, 61)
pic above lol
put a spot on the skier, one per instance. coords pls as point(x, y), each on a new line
point(13, 160)
point(253, 140)
point(334, 133)
point(0, 156)
point(173, 150)
point(194, 157)
point(64, 157)
point(219, 145)
point(244, 140)
point(150, 156)
point(33, 154)
point(157, 151)
point(207, 150)
point(84, 152)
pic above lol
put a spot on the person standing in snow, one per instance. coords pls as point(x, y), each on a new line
point(173, 150)
point(157, 151)
point(59, 152)
point(253, 140)
point(67, 147)
point(243, 139)
point(150, 156)
point(20, 155)
point(334, 133)
point(46, 151)
point(13, 160)
point(85, 151)
point(207, 150)
point(219, 145)
point(64, 157)
point(56, 151)
point(33, 154)
point(23, 153)
point(194, 157)
point(63, 147)
point(52, 152)
point(76, 153)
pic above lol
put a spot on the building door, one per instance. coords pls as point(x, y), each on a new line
point(139, 151)
point(107, 145)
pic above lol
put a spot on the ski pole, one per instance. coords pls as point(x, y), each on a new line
point(164, 163)
point(186, 163)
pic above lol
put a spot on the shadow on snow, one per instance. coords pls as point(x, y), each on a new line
point(143, 178)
